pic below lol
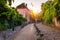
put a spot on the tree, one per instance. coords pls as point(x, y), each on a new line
point(48, 9)
point(57, 6)
point(10, 2)
point(6, 18)
point(46, 5)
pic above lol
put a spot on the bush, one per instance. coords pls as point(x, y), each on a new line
point(11, 15)
point(47, 17)
point(1, 27)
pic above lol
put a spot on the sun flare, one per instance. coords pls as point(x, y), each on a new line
point(34, 10)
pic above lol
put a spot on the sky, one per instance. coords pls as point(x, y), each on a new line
point(34, 5)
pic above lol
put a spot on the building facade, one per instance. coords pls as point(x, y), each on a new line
point(22, 9)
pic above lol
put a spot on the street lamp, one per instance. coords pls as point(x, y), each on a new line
point(12, 22)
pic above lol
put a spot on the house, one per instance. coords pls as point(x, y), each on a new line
point(22, 9)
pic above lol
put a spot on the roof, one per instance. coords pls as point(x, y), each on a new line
point(23, 5)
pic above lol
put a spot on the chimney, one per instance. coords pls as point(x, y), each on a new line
point(26, 4)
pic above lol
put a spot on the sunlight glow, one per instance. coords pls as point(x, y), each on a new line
point(34, 10)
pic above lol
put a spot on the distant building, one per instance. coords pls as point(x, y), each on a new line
point(22, 9)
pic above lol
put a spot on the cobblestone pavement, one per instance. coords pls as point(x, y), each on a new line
point(49, 33)
point(5, 35)
point(27, 33)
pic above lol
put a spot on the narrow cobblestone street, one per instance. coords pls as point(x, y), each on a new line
point(29, 33)
point(49, 33)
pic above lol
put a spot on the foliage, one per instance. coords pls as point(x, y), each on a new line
point(7, 15)
point(40, 15)
point(46, 5)
point(10, 2)
point(57, 6)
point(6, 18)
point(50, 10)
point(4, 2)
